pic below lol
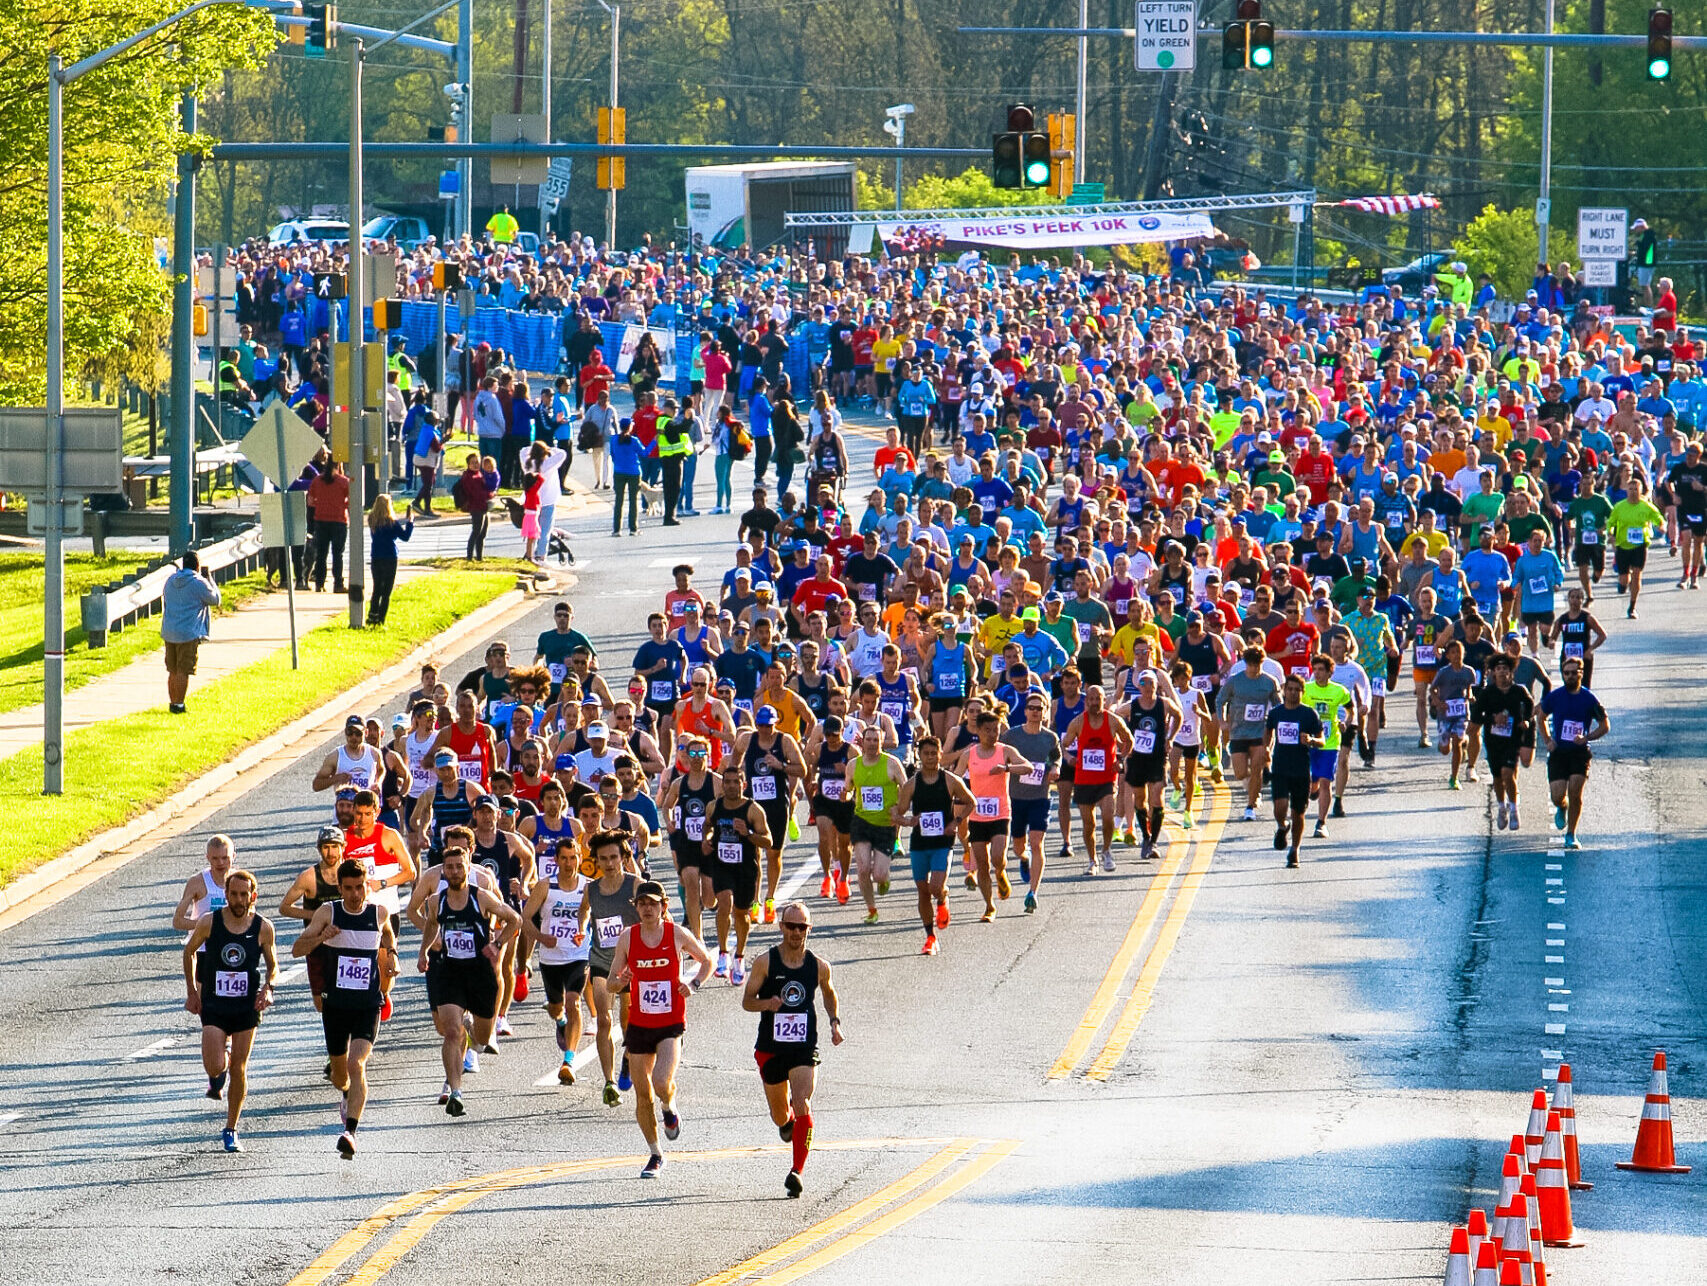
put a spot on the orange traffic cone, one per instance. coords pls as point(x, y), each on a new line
point(1564, 1104)
point(1510, 1273)
point(1511, 1180)
point(1532, 1228)
point(1552, 1189)
point(1536, 1134)
point(1487, 1265)
point(1458, 1259)
point(1653, 1135)
point(1478, 1233)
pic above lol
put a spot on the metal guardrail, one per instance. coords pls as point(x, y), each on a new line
point(112, 607)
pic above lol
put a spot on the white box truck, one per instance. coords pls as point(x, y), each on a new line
point(734, 205)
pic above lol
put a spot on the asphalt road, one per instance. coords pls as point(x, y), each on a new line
point(1300, 1077)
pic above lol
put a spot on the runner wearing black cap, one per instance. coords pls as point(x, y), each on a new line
point(310, 891)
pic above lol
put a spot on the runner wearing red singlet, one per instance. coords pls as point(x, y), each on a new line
point(1102, 743)
point(699, 714)
point(648, 960)
point(385, 856)
point(677, 600)
point(476, 750)
point(989, 767)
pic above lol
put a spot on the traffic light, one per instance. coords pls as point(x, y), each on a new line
point(1005, 161)
point(613, 129)
point(322, 30)
point(1034, 147)
point(1063, 131)
point(1659, 44)
point(1247, 41)
point(1019, 157)
point(388, 314)
point(447, 276)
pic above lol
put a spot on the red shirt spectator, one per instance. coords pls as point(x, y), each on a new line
point(329, 496)
point(887, 455)
point(595, 378)
point(645, 426)
point(717, 367)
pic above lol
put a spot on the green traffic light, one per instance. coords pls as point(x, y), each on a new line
point(1262, 56)
point(1659, 68)
point(1037, 173)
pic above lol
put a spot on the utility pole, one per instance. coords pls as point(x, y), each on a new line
point(354, 296)
point(53, 584)
point(1080, 125)
point(465, 77)
point(545, 105)
point(1544, 205)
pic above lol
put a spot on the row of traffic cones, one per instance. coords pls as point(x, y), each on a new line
point(1540, 1169)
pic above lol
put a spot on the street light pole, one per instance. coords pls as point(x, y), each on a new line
point(465, 77)
point(615, 12)
point(1544, 206)
point(354, 296)
point(1079, 125)
point(545, 103)
point(896, 126)
point(53, 582)
point(181, 433)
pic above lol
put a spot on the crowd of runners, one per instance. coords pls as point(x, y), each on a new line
point(1123, 556)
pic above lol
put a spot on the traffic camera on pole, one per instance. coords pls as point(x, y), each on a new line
point(1659, 44)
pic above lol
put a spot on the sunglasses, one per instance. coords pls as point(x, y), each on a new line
point(792, 924)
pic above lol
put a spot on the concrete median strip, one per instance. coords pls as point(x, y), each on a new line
point(56, 880)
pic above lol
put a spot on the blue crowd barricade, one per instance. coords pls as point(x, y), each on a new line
point(534, 339)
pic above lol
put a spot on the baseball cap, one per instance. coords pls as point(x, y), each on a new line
point(562, 762)
point(597, 729)
point(764, 716)
point(330, 835)
point(833, 726)
point(445, 758)
point(354, 721)
point(508, 803)
point(345, 792)
point(487, 801)
point(399, 721)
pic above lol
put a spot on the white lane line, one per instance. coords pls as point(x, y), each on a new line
point(292, 974)
point(1555, 881)
point(8, 1117)
point(1549, 1073)
point(1554, 866)
point(1555, 1029)
point(1553, 1054)
point(1553, 942)
point(1552, 982)
point(789, 887)
point(1555, 901)
point(1553, 959)
point(1557, 928)
point(1558, 1007)
point(148, 1051)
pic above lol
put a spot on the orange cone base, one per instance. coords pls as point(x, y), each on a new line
point(1654, 1169)
point(1568, 1245)
point(1580, 1186)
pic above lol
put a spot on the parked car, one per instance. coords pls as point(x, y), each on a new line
point(1419, 272)
point(323, 232)
point(408, 231)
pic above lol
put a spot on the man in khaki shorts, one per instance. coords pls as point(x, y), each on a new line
point(184, 623)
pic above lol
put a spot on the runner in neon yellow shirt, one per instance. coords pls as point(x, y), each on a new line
point(1329, 700)
point(1633, 524)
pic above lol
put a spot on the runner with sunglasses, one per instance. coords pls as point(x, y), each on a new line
point(782, 990)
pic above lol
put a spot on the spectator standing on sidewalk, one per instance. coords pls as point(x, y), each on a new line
point(384, 531)
point(518, 433)
point(675, 448)
point(329, 497)
point(625, 454)
point(598, 427)
point(185, 621)
point(490, 422)
point(547, 462)
point(427, 453)
point(472, 493)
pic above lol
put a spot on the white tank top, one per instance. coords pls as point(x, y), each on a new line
point(365, 769)
point(421, 775)
point(1189, 733)
point(865, 652)
point(211, 898)
point(557, 918)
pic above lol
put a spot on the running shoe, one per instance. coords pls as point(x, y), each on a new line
point(522, 987)
point(1108, 860)
point(722, 970)
point(1452, 784)
point(971, 880)
point(827, 887)
point(1292, 858)
point(929, 949)
point(1216, 775)
point(1185, 821)
point(770, 910)
point(653, 1165)
point(1030, 903)
point(504, 1028)
point(1513, 821)
point(871, 917)
point(1559, 818)
point(737, 971)
point(1321, 832)
point(883, 888)
point(347, 1146)
point(566, 1074)
point(1065, 854)
point(672, 1125)
point(444, 1093)
point(1470, 774)
point(454, 1107)
point(1499, 821)
point(1422, 742)
point(385, 1010)
point(624, 1081)
point(613, 1096)
point(230, 1140)
point(491, 1045)
point(842, 892)
point(1250, 814)
point(988, 916)
point(754, 912)
point(792, 1184)
point(1280, 837)
point(1571, 842)
point(1004, 886)
point(1091, 866)
point(942, 916)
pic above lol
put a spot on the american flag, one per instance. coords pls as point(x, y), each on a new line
point(1390, 204)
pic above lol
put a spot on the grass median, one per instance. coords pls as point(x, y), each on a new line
point(21, 621)
point(118, 769)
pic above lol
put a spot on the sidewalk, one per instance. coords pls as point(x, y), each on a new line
point(249, 634)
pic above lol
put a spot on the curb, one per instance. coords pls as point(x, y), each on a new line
point(57, 879)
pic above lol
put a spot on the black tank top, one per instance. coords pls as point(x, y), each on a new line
point(933, 806)
point(463, 933)
point(1179, 585)
point(757, 764)
point(1200, 656)
point(325, 891)
point(1153, 722)
point(832, 764)
point(504, 865)
point(816, 696)
point(693, 803)
point(729, 848)
point(352, 959)
point(1573, 630)
point(230, 969)
point(792, 1029)
point(453, 810)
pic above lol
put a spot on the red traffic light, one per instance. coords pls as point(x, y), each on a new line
point(1021, 119)
point(1249, 9)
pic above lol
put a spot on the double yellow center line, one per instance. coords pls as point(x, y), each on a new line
point(959, 1162)
point(1138, 1002)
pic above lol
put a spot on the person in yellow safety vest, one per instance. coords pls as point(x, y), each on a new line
point(674, 448)
point(502, 227)
point(401, 362)
point(1454, 282)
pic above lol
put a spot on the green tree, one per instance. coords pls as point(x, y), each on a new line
point(1502, 243)
point(121, 140)
point(971, 189)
